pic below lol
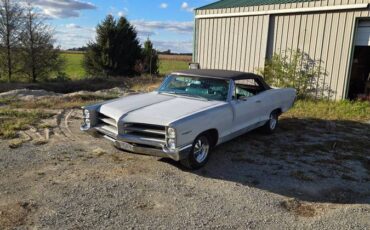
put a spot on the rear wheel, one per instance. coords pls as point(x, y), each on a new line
point(199, 153)
point(272, 123)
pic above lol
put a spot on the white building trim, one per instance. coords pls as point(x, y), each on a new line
point(287, 11)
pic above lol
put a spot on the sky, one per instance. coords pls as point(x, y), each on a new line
point(169, 24)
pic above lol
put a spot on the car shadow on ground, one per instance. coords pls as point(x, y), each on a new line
point(308, 159)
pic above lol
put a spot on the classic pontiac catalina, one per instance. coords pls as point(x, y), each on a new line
point(191, 112)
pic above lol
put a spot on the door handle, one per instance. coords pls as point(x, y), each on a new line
point(258, 101)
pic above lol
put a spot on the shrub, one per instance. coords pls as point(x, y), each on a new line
point(294, 69)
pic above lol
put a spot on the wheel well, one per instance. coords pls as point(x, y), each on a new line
point(213, 135)
point(279, 111)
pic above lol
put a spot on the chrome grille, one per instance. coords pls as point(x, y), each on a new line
point(107, 124)
point(133, 133)
point(155, 132)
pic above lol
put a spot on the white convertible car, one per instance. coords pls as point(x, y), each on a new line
point(192, 112)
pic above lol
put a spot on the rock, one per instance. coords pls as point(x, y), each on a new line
point(27, 94)
point(16, 143)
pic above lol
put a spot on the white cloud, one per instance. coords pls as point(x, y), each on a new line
point(73, 26)
point(153, 28)
point(185, 6)
point(62, 9)
point(163, 5)
point(73, 36)
point(120, 13)
point(146, 28)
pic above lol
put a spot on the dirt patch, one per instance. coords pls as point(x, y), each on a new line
point(15, 214)
point(299, 208)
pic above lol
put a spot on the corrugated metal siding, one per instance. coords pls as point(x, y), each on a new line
point(243, 43)
point(227, 43)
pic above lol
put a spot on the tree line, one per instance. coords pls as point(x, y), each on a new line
point(27, 50)
point(26, 44)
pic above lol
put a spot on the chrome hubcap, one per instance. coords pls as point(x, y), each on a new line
point(273, 121)
point(201, 149)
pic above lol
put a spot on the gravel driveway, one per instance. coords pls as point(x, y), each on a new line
point(311, 174)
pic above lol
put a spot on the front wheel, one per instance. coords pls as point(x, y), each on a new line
point(199, 153)
point(272, 123)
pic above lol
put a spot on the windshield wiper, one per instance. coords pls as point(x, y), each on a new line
point(191, 95)
point(167, 92)
point(183, 94)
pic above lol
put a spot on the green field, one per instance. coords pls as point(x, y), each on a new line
point(75, 71)
point(73, 65)
point(168, 66)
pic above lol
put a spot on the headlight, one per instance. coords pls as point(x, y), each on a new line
point(86, 124)
point(171, 133)
point(171, 143)
point(86, 113)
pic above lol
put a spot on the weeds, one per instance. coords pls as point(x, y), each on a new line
point(68, 102)
point(331, 110)
point(12, 120)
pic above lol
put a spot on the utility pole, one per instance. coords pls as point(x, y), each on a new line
point(150, 60)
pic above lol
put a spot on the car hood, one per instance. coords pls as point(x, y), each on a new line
point(154, 108)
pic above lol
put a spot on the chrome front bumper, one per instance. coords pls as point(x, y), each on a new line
point(153, 149)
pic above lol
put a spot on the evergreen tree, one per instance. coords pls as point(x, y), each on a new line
point(150, 58)
point(116, 50)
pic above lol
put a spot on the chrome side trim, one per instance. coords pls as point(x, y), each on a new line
point(177, 154)
point(141, 140)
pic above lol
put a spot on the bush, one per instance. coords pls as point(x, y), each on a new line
point(116, 50)
point(294, 69)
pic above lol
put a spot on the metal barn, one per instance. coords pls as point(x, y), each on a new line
point(241, 34)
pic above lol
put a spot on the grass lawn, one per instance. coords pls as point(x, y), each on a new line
point(73, 67)
point(331, 110)
point(167, 64)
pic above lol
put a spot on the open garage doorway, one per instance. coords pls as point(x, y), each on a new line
point(359, 87)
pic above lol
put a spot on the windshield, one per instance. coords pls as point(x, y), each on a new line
point(199, 87)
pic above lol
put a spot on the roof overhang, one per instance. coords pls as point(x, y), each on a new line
point(287, 11)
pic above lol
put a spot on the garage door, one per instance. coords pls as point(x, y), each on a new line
point(363, 34)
